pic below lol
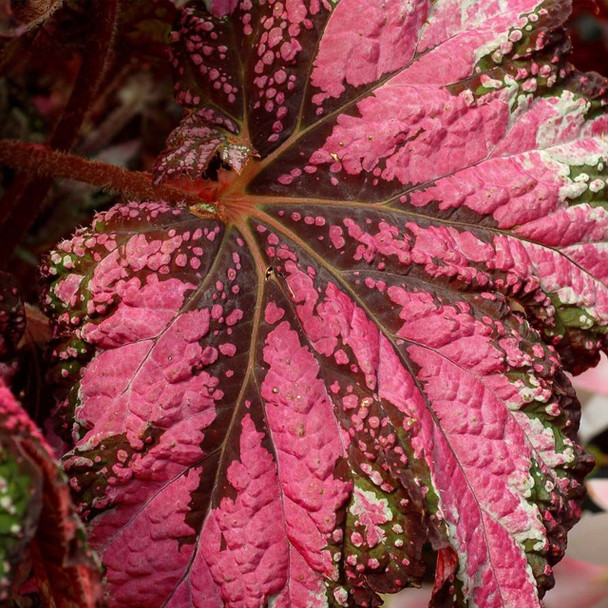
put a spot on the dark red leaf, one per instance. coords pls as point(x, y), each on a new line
point(39, 529)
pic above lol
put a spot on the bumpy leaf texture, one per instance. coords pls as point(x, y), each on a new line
point(354, 374)
point(200, 138)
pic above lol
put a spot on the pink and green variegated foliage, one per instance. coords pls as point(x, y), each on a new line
point(344, 371)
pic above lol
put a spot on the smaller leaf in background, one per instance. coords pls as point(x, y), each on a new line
point(12, 324)
point(579, 585)
point(592, 389)
point(24, 333)
point(42, 541)
point(196, 141)
point(37, 329)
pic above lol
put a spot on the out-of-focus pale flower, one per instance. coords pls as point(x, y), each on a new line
point(409, 598)
point(582, 576)
point(598, 491)
point(592, 388)
point(579, 584)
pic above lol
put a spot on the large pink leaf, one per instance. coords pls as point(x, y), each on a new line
point(358, 364)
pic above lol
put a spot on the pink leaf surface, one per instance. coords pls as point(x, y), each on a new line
point(357, 371)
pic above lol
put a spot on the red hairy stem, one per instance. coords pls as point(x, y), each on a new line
point(43, 162)
point(26, 194)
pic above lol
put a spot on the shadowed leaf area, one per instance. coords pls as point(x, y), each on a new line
point(344, 372)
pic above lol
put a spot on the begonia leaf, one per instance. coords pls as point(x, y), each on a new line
point(355, 373)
